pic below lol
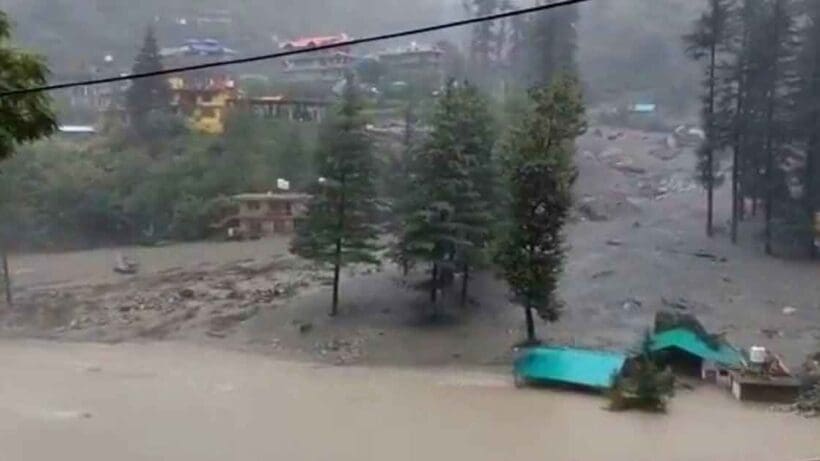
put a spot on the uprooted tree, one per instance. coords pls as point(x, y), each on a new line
point(23, 118)
point(540, 174)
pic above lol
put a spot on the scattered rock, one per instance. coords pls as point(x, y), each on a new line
point(614, 242)
point(631, 304)
point(636, 224)
point(186, 293)
point(304, 328)
point(589, 211)
point(125, 308)
point(216, 334)
point(629, 169)
point(771, 333)
point(602, 274)
point(681, 304)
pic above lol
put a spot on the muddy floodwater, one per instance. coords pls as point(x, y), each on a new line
point(182, 402)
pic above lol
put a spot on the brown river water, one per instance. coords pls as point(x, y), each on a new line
point(180, 402)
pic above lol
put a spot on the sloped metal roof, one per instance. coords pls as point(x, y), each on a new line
point(583, 367)
point(690, 342)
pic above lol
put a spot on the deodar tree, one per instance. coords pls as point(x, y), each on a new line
point(23, 118)
point(147, 97)
point(709, 40)
point(540, 173)
point(339, 227)
point(446, 215)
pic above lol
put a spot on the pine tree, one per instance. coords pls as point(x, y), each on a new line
point(23, 118)
point(445, 219)
point(552, 45)
point(540, 173)
point(739, 80)
point(339, 226)
point(399, 187)
point(483, 43)
point(778, 85)
point(809, 121)
point(151, 95)
point(711, 38)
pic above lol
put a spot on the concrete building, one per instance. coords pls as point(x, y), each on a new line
point(413, 59)
point(264, 215)
point(202, 96)
point(282, 107)
point(321, 65)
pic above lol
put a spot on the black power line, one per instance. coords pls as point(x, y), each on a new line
point(264, 57)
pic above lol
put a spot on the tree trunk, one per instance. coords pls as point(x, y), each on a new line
point(735, 197)
point(710, 154)
point(464, 282)
point(6, 276)
point(337, 269)
point(434, 284)
point(530, 324)
point(810, 194)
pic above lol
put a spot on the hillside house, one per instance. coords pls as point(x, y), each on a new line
point(283, 107)
point(264, 215)
point(414, 62)
point(202, 96)
point(321, 65)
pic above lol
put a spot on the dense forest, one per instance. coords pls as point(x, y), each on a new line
point(760, 103)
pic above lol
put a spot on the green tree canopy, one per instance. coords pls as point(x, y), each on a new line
point(26, 117)
point(540, 172)
point(339, 227)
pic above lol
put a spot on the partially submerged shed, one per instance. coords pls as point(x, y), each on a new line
point(690, 353)
point(584, 368)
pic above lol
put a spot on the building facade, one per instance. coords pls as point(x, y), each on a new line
point(264, 215)
point(201, 96)
point(321, 65)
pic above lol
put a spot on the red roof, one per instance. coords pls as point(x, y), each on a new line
point(310, 42)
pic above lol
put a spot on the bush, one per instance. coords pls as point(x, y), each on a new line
point(644, 385)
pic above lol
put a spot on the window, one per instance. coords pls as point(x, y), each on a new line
point(253, 206)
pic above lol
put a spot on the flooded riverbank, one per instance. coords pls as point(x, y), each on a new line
point(178, 401)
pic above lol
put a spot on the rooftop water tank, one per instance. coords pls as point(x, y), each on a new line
point(757, 355)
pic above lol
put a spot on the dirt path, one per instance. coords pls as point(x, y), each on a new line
point(184, 403)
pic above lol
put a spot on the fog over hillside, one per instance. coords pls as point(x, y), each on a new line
point(628, 49)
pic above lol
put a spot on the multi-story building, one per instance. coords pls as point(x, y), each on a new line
point(414, 58)
point(204, 96)
point(263, 215)
point(320, 65)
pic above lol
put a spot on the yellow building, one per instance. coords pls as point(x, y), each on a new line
point(203, 102)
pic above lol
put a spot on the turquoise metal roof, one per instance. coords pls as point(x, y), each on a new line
point(644, 108)
point(569, 365)
point(690, 342)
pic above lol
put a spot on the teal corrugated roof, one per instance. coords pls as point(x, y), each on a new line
point(690, 342)
point(569, 365)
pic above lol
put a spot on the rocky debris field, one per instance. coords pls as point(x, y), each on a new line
point(157, 305)
point(636, 246)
